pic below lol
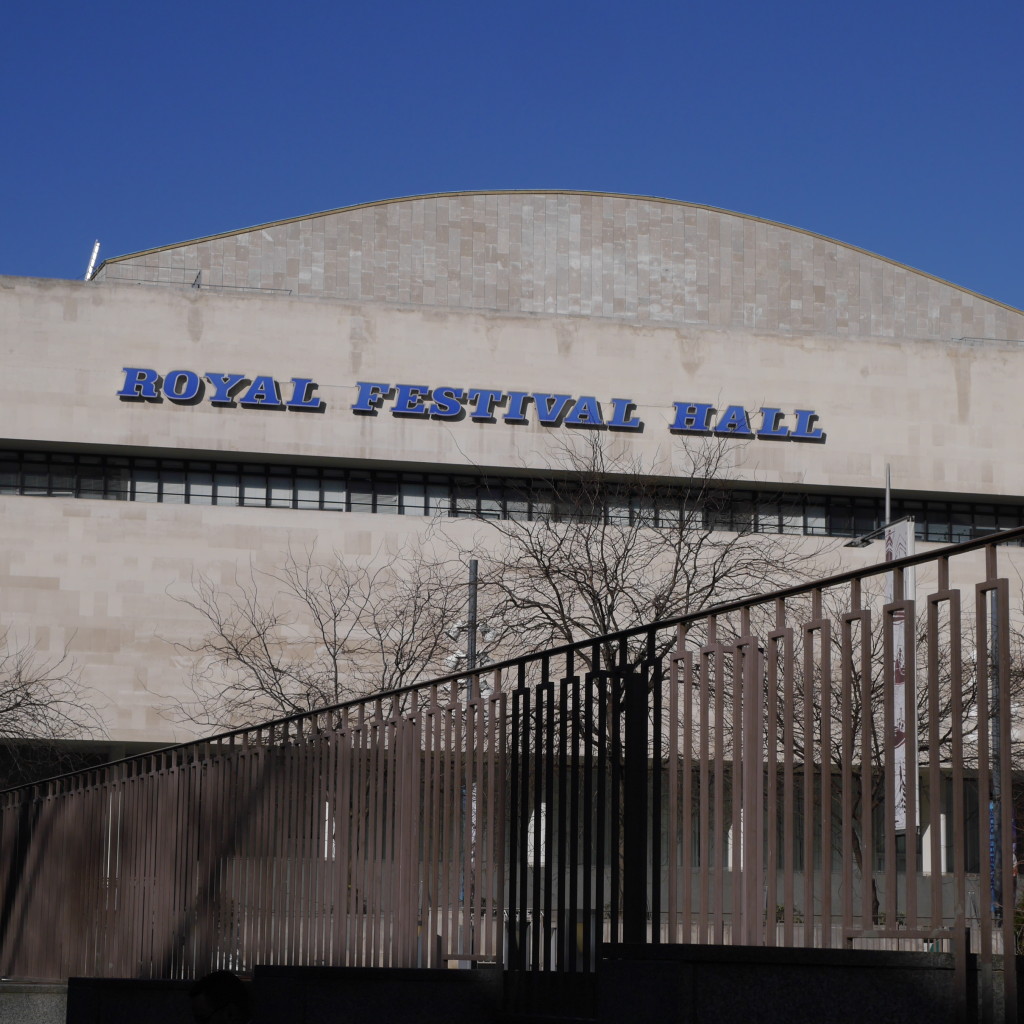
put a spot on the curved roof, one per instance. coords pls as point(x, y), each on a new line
point(581, 253)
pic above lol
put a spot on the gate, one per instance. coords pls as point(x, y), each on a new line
point(827, 766)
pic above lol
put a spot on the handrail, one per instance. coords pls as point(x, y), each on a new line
point(724, 608)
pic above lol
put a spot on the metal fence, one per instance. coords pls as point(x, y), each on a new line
point(830, 765)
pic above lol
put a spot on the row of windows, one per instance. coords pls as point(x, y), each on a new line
point(339, 489)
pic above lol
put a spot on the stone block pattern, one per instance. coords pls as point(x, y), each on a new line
point(644, 260)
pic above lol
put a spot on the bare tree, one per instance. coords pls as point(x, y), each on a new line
point(42, 703)
point(607, 545)
point(601, 545)
point(315, 632)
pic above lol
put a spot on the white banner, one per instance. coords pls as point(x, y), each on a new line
point(899, 543)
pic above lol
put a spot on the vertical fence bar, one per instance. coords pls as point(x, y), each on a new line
point(846, 671)
point(736, 775)
point(687, 810)
point(570, 868)
point(912, 770)
point(653, 680)
point(983, 670)
point(673, 824)
point(366, 834)
point(1004, 806)
point(808, 769)
point(707, 655)
point(771, 830)
point(718, 825)
point(635, 810)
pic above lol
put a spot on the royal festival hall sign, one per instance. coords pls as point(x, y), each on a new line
point(453, 403)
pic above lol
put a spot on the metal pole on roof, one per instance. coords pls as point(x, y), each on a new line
point(92, 260)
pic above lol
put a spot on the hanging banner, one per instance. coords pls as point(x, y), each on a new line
point(899, 543)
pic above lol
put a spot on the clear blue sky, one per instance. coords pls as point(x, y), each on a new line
point(896, 126)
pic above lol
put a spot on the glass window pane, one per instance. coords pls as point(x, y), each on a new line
point(254, 489)
point(937, 523)
point(643, 511)
point(387, 497)
point(490, 507)
point(816, 520)
point(618, 512)
point(517, 502)
point(333, 486)
point(669, 513)
point(146, 484)
point(36, 479)
point(438, 499)
point(792, 518)
point(360, 489)
point(62, 480)
point(307, 492)
point(840, 518)
point(8, 477)
point(541, 502)
point(414, 502)
point(118, 482)
point(227, 487)
point(962, 527)
point(1008, 519)
point(984, 524)
point(173, 487)
point(465, 500)
point(281, 492)
point(200, 488)
point(767, 517)
point(90, 482)
point(742, 516)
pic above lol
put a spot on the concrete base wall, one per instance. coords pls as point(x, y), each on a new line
point(32, 1004)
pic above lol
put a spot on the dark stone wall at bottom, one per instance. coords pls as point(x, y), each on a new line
point(320, 995)
point(758, 985)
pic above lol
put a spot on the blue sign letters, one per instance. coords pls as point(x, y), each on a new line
point(482, 405)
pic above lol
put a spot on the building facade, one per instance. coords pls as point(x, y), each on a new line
point(345, 379)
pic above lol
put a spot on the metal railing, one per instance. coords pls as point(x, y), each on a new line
point(740, 775)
